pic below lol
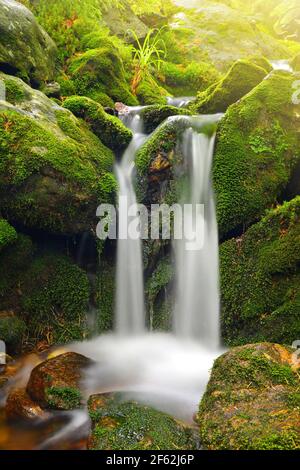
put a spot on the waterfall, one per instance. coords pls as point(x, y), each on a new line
point(130, 309)
point(197, 300)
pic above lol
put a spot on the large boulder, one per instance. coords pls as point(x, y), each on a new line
point(252, 401)
point(121, 425)
point(256, 153)
point(242, 77)
point(260, 279)
point(55, 383)
point(54, 171)
point(25, 48)
point(155, 115)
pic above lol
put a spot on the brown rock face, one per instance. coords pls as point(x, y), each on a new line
point(55, 383)
point(19, 405)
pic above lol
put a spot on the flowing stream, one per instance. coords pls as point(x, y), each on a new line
point(169, 371)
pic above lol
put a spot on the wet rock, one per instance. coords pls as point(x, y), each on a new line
point(55, 383)
point(255, 405)
point(119, 425)
point(242, 77)
point(260, 280)
point(20, 406)
point(52, 90)
point(56, 170)
point(25, 48)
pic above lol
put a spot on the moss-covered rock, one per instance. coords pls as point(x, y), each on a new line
point(55, 383)
point(54, 171)
point(7, 234)
point(242, 77)
point(25, 48)
point(260, 280)
point(155, 115)
point(255, 404)
point(99, 71)
point(150, 93)
point(256, 152)
point(105, 295)
point(110, 130)
point(119, 425)
point(188, 80)
point(47, 291)
point(12, 331)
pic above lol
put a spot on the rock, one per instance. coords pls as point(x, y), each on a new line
point(12, 331)
point(260, 280)
point(242, 77)
point(255, 405)
point(20, 406)
point(153, 116)
point(111, 111)
point(7, 234)
point(100, 71)
point(56, 171)
point(25, 48)
point(49, 292)
point(119, 425)
point(149, 92)
point(55, 383)
point(122, 20)
point(109, 129)
point(257, 151)
point(52, 90)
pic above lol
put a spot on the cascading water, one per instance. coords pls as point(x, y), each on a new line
point(197, 295)
point(169, 371)
point(130, 311)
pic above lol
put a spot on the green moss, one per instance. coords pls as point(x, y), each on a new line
point(256, 152)
point(51, 166)
point(149, 93)
point(242, 77)
point(105, 296)
point(63, 398)
point(12, 331)
point(55, 299)
point(260, 279)
point(109, 129)
point(14, 92)
point(246, 408)
point(188, 80)
point(131, 426)
point(99, 71)
point(7, 234)
point(153, 116)
point(295, 63)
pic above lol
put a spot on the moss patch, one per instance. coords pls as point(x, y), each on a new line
point(130, 426)
point(246, 408)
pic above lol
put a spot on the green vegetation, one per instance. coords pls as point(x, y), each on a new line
point(260, 280)
point(245, 409)
point(257, 150)
point(119, 425)
point(63, 398)
point(242, 77)
point(108, 128)
point(7, 234)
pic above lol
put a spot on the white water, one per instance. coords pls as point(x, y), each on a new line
point(282, 65)
point(168, 371)
point(180, 102)
point(197, 295)
point(130, 310)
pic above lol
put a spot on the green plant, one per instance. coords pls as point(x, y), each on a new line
point(147, 56)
